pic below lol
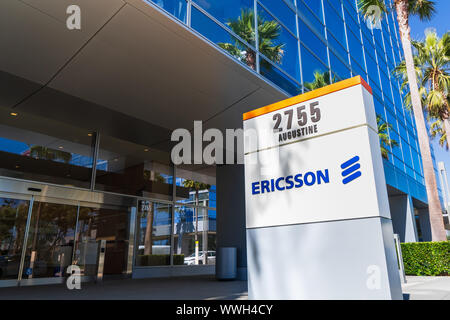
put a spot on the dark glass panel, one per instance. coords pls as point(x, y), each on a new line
point(38, 149)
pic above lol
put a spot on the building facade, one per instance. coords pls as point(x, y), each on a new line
point(87, 117)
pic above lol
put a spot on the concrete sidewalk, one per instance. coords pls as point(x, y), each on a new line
point(176, 288)
point(427, 288)
point(191, 288)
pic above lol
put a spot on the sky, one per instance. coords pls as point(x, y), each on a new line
point(440, 22)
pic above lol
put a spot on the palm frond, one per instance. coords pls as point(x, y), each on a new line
point(424, 9)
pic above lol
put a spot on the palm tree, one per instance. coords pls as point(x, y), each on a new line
point(385, 140)
point(321, 79)
point(244, 27)
point(424, 9)
point(436, 129)
point(432, 61)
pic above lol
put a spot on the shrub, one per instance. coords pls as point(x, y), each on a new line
point(178, 259)
point(158, 259)
point(426, 258)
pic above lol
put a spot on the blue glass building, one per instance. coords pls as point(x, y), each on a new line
point(329, 37)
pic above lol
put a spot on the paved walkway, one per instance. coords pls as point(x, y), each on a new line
point(427, 288)
point(176, 288)
point(192, 288)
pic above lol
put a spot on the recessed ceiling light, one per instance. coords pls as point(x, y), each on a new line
point(90, 134)
point(14, 114)
point(146, 150)
point(60, 147)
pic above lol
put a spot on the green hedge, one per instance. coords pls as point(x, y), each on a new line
point(158, 259)
point(426, 258)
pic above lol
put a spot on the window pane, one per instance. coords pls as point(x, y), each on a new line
point(225, 40)
point(335, 24)
point(127, 168)
point(153, 234)
point(13, 219)
point(237, 15)
point(184, 236)
point(313, 5)
point(103, 222)
point(339, 67)
point(50, 241)
point(37, 149)
point(311, 67)
point(277, 77)
point(177, 8)
point(277, 44)
point(280, 10)
point(196, 188)
point(312, 41)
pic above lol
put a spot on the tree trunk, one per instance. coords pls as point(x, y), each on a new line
point(446, 122)
point(434, 206)
point(149, 231)
point(250, 59)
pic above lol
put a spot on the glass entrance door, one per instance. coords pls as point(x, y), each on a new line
point(13, 221)
point(50, 241)
point(40, 237)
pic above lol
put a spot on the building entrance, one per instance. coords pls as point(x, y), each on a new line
point(41, 236)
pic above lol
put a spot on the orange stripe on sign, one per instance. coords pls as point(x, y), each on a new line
point(308, 96)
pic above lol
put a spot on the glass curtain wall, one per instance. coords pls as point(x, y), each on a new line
point(297, 44)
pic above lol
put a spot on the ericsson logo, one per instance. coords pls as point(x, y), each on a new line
point(351, 170)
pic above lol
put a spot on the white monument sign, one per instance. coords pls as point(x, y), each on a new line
point(317, 211)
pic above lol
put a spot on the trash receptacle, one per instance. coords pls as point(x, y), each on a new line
point(226, 263)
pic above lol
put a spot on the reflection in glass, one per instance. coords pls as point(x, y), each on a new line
point(176, 8)
point(110, 223)
point(199, 187)
point(282, 12)
point(230, 10)
point(32, 148)
point(277, 44)
point(86, 244)
point(184, 230)
point(127, 168)
point(153, 235)
point(195, 235)
point(311, 65)
point(268, 32)
point(279, 78)
point(321, 79)
point(13, 219)
point(113, 226)
point(50, 240)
